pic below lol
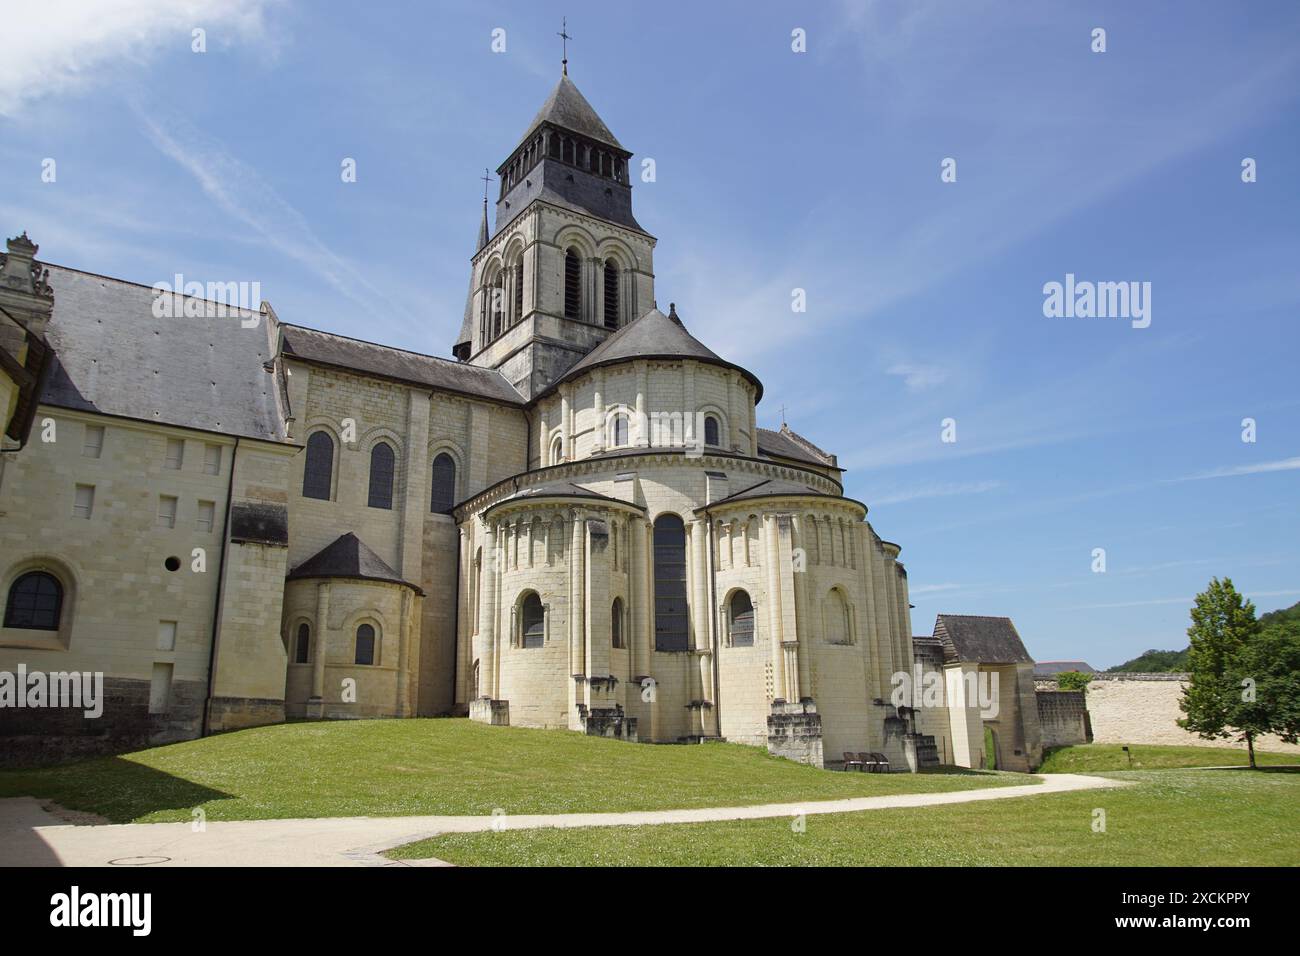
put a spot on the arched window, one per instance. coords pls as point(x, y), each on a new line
point(611, 294)
point(382, 463)
point(532, 621)
point(302, 649)
point(839, 625)
point(365, 645)
point(35, 602)
point(572, 285)
point(711, 431)
point(742, 620)
point(616, 624)
point(670, 584)
point(557, 449)
point(519, 289)
point(318, 469)
point(444, 484)
point(618, 431)
point(498, 303)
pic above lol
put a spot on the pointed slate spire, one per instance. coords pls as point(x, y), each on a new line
point(482, 229)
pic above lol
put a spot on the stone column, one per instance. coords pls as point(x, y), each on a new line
point(597, 612)
point(577, 622)
point(403, 701)
point(598, 407)
point(642, 412)
point(485, 640)
point(771, 557)
point(566, 424)
point(803, 622)
point(637, 599)
point(316, 704)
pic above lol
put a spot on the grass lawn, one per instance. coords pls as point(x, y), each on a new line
point(1169, 818)
point(1097, 758)
point(407, 767)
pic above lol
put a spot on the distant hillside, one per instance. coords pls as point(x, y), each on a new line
point(1291, 613)
point(1153, 662)
point(1156, 662)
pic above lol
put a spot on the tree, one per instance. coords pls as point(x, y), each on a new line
point(1073, 680)
point(1223, 624)
point(1267, 675)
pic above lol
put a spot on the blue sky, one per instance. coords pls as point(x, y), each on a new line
point(776, 171)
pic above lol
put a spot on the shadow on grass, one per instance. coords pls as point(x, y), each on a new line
point(118, 789)
point(1272, 768)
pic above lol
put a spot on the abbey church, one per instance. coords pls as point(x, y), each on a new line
point(571, 522)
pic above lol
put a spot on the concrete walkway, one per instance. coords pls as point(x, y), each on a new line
point(30, 836)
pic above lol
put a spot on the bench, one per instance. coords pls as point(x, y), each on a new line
point(874, 762)
point(851, 761)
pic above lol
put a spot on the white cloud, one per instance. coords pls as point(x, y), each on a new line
point(1263, 468)
point(935, 491)
point(931, 588)
point(918, 377)
point(63, 46)
point(241, 192)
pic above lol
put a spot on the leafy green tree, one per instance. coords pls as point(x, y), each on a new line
point(1073, 680)
point(1267, 675)
point(1223, 623)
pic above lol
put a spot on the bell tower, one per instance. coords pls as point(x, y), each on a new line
point(567, 264)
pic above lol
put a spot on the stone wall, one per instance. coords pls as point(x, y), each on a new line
point(1143, 709)
point(1063, 717)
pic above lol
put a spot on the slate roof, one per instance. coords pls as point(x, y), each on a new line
point(1052, 668)
point(770, 488)
point(790, 444)
point(338, 351)
point(113, 356)
point(568, 108)
point(984, 640)
point(558, 489)
point(348, 557)
point(652, 336)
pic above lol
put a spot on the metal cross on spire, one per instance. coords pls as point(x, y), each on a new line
point(487, 178)
point(564, 43)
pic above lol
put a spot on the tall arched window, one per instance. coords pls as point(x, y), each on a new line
point(572, 285)
point(711, 431)
point(742, 620)
point(519, 290)
point(557, 449)
point(365, 645)
point(618, 431)
point(532, 621)
point(670, 584)
point(444, 484)
point(35, 602)
point(382, 465)
point(839, 624)
point(302, 648)
point(616, 624)
point(318, 469)
point(611, 294)
point(498, 303)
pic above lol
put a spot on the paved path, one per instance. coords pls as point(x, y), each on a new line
point(30, 836)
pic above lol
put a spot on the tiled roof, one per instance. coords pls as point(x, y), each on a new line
point(568, 108)
point(984, 640)
point(369, 358)
point(652, 336)
point(348, 557)
point(114, 356)
point(790, 444)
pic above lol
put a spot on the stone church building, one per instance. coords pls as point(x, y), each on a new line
point(574, 522)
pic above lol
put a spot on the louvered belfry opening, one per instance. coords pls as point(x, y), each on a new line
point(572, 285)
point(611, 294)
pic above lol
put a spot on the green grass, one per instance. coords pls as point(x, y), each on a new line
point(1097, 758)
point(1168, 818)
point(407, 767)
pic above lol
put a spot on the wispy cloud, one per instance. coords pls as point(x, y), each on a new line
point(1262, 468)
point(62, 46)
point(918, 377)
point(935, 491)
point(1177, 600)
point(241, 192)
point(932, 588)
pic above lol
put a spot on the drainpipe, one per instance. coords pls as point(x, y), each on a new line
point(204, 729)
